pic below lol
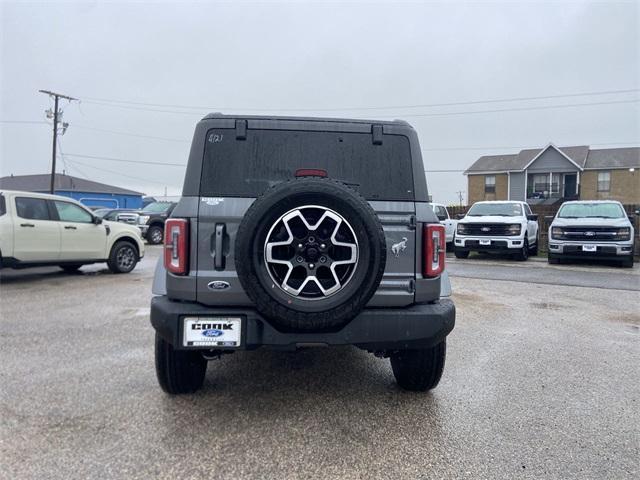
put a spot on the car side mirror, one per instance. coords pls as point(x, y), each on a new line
point(460, 216)
point(549, 218)
point(533, 217)
point(97, 220)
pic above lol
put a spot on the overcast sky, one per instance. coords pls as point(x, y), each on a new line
point(307, 58)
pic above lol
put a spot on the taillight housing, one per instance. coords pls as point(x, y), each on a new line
point(434, 249)
point(176, 245)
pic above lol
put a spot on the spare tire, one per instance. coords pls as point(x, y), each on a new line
point(310, 253)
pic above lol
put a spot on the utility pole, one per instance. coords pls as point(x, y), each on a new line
point(460, 192)
point(57, 97)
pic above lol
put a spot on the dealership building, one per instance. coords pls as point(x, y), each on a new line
point(90, 193)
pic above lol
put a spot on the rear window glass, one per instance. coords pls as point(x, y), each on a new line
point(246, 168)
point(32, 208)
point(3, 205)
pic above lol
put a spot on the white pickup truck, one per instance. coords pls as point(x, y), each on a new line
point(445, 219)
point(38, 230)
point(500, 227)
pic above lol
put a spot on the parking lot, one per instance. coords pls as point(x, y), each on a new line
point(541, 380)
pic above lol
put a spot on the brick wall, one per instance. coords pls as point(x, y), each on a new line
point(625, 186)
point(475, 187)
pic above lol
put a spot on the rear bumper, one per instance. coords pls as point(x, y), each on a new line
point(418, 326)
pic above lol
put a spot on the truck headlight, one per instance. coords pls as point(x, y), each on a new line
point(557, 232)
point(462, 229)
point(623, 233)
point(514, 229)
point(143, 219)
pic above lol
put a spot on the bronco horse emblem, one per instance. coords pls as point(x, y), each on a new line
point(399, 247)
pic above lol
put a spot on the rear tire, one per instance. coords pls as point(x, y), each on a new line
point(123, 257)
point(534, 250)
point(419, 370)
point(155, 235)
point(178, 371)
point(461, 253)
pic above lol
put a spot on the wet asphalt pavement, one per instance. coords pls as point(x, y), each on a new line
point(541, 381)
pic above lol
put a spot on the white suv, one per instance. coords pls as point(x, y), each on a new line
point(501, 227)
point(38, 229)
point(445, 219)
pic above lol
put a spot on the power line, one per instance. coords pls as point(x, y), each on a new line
point(399, 114)
point(388, 107)
point(193, 114)
point(111, 159)
point(24, 121)
point(127, 134)
point(74, 162)
point(519, 109)
point(445, 149)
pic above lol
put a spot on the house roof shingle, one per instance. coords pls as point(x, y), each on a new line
point(40, 183)
point(581, 155)
point(614, 158)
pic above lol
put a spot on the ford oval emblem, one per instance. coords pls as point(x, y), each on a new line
point(590, 234)
point(485, 229)
point(212, 332)
point(218, 285)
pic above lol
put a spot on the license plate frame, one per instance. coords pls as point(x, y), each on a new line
point(485, 242)
point(590, 248)
point(212, 332)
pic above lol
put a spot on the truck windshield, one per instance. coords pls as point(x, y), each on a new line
point(101, 212)
point(591, 210)
point(495, 209)
point(247, 168)
point(157, 207)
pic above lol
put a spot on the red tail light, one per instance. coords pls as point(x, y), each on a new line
point(311, 172)
point(434, 249)
point(176, 245)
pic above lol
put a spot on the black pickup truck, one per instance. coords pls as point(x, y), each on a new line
point(151, 220)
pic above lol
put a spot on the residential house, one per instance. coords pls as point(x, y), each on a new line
point(553, 174)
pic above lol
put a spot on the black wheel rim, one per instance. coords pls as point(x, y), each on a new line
point(126, 258)
point(156, 235)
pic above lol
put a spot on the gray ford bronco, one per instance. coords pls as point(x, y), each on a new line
point(301, 232)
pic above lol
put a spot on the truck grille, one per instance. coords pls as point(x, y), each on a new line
point(487, 229)
point(590, 233)
point(130, 218)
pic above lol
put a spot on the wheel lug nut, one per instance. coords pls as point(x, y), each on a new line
point(299, 259)
point(311, 265)
point(300, 245)
point(322, 245)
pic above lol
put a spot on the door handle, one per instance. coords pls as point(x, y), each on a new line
point(219, 262)
point(27, 225)
point(70, 227)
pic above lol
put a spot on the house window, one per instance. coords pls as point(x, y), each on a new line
point(490, 184)
point(604, 181)
point(555, 183)
point(541, 183)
